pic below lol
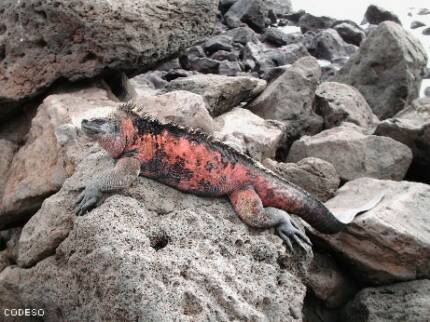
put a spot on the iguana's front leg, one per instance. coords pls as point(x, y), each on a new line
point(122, 176)
point(249, 207)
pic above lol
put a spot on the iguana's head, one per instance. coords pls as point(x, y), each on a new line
point(113, 132)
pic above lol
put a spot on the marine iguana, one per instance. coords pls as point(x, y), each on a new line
point(194, 162)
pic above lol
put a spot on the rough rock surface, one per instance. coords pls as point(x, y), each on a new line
point(218, 42)
point(143, 85)
point(229, 68)
point(221, 92)
point(375, 15)
point(338, 102)
point(51, 151)
point(314, 175)
point(249, 133)
point(43, 41)
point(251, 12)
point(243, 35)
point(291, 95)
point(350, 32)
point(195, 59)
point(279, 7)
point(186, 258)
point(259, 57)
point(309, 22)
point(411, 126)
point(152, 253)
point(390, 242)
point(387, 70)
point(7, 150)
point(331, 46)
point(277, 37)
point(407, 301)
point(328, 282)
point(355, 154)
point(184, 108)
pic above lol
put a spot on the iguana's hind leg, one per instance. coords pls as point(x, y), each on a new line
point(249, 207)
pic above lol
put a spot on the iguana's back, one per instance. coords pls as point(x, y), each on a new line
point(191, 160)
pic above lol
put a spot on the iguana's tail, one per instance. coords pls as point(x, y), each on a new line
point(342, 217)
point(333, 221)
point(317, 215)
point(294, 200)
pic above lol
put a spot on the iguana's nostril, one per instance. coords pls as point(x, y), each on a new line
point(84, 121)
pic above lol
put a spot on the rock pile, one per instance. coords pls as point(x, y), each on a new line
point(329, 106)
point(44, 41)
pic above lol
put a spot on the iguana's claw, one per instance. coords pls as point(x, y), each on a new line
point(87, 200)
point(289, 232)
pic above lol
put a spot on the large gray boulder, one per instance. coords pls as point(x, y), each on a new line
point(411, 126)
point(249, 133)
point(375, 15)
point(221, 92)
point(316, 176)
point(350, 32)
point(407, 301)
point(181, 107)
point(242, 35)
point(218, 42)
point(156, 253)
point(387, 70)
point(43, 41)
point(355, 154)
point(309, 22)
point(331, 46)
point(251, 12)
point(195, 59)
point(338, 102)
point(277, 37)
point(390, 242)
point(290, 96)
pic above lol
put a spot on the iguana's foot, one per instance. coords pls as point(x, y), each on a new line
point(87, 200)
point(289, 232)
